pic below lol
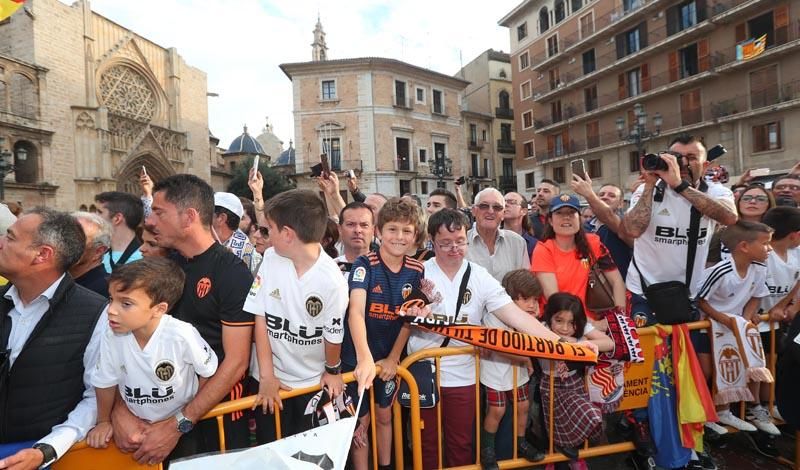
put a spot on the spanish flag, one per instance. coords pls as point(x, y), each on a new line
point(8, 7)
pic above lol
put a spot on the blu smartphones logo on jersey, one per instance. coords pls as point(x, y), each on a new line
point(282, 329)
point(678, 235)
point(138, 397)
point(778, 290)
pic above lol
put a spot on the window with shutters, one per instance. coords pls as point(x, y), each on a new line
point(587, 25)
point(527, 149)
point(527, 120)
point(555, 79)
point(438, 101)
point(523, 61)
point(631, 41)
point(544, 20)
point(762, 25)
point(522, 31)
point(767, 137)
point(595, 168)
point(529, 183)
point(525, 90)
point(403, 147)
point(590, 98)
point(634, 82)
point(328, 89)
point(592, 134)
point(552, 45)
point(561, 11)
point(685, 15)
point(559, 174)
point(764, 87)
point(688, 61)
point(555, 111)
point(589, 63)
point(400, 98)
point(691, 111)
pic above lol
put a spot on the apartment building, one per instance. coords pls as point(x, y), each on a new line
point(609, 79)
point(488, 99)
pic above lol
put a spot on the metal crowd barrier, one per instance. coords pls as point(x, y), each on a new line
point(637, 378)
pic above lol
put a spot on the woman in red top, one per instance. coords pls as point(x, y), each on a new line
point(562, 259)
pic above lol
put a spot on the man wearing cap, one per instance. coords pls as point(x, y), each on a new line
point(228, 211)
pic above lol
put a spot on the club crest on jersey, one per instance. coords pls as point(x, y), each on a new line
point(388, 387)
point(407, 288)
point(359, 274)
point(165, 370)
point(313, 305)
point(203, 287)
point(467, 297)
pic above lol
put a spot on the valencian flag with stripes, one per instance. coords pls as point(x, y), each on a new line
point(8, 7)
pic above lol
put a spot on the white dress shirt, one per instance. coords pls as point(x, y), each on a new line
point(24, 319)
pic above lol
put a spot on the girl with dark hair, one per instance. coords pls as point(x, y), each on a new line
point(563, 258)
point(575, 417)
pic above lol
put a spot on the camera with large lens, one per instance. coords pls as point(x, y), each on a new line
point(653, 162)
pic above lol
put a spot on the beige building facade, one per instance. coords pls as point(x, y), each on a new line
point(389, 121)
point(90, 102)
point(490, 93)
point(588, 64)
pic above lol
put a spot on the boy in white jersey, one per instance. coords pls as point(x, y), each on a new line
point(732, 288)
point(153, 358)
point(783, 274)
point(299, 298)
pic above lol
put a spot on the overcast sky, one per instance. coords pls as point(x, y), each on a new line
point(240, 43)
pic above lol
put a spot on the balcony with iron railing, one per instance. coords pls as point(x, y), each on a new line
point(504, 113)
point(475, 145)
point(720, 62)
point(610, 22)
point(603, 24)
point(767, 100)
point(507, 183)
point(574, 77)
point(506, 146)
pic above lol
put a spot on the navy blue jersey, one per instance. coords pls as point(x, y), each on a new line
point(386, 292)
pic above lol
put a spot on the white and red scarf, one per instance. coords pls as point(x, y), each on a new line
point(738, 360)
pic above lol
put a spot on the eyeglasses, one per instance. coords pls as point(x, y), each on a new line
point(750, 197)
point(495, 207)
point(450, 246)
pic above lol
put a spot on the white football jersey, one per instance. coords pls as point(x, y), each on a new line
point(661, 251)
point(781, 279)
point(483, 294)
point(728, 293)
point(158, 380)
point(300, 314)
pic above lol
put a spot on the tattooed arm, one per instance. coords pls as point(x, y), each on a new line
point(720, 210)
point(637, 219)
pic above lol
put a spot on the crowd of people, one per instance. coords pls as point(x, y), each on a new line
point(131, 323)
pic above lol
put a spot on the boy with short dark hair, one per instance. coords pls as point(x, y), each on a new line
point(374, 335)
point(734, 288)
point(299, 299)
point(153, 358)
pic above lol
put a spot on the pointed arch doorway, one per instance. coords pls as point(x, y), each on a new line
point(128, 177)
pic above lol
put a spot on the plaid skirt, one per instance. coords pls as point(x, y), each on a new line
point(576, 417)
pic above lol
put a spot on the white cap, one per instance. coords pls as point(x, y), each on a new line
point(229, 201)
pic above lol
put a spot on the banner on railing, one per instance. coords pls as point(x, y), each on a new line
point(325, 447)
point(752, 48)
point(506, 341)
point(8, 7)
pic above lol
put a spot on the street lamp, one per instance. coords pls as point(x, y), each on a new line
point(6, 166)
point(639, 134)
point(442, 168)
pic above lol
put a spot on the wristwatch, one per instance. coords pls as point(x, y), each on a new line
point(48, 451)
point(184, 424)
point(681, 187)
point(334, 370)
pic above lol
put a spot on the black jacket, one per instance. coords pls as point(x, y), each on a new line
point(46, 381)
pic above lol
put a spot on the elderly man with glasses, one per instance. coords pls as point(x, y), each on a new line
point(496, 249)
